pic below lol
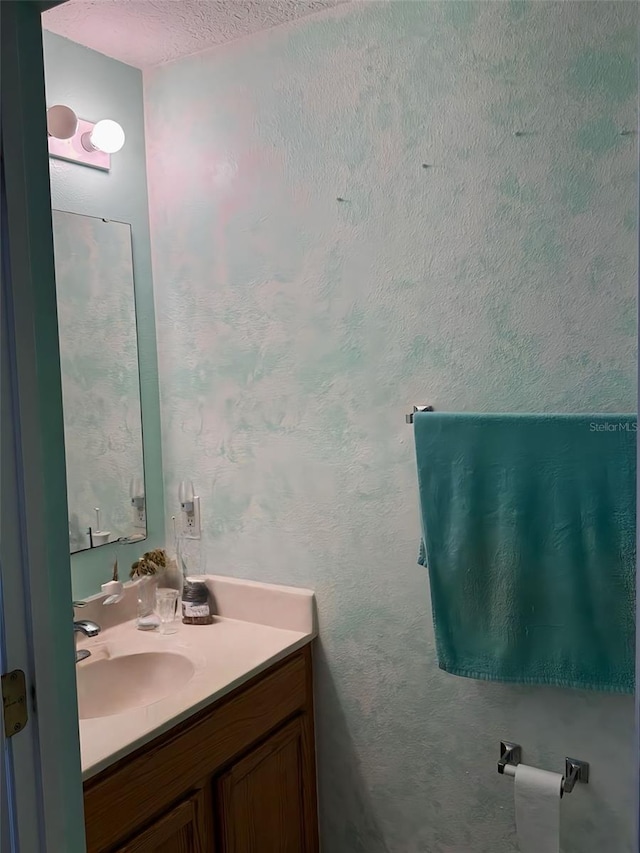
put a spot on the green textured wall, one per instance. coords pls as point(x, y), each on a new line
point(295, 329)
point(98, 87)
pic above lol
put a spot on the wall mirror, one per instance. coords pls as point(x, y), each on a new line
point(100, 380)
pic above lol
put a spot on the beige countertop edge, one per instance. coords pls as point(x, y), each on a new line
point(91, 770)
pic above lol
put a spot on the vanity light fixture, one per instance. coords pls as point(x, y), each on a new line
point(83, 142)
point(190, 510)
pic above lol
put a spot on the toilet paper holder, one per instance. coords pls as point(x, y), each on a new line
point(574, 769)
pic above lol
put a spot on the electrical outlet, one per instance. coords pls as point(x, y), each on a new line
point(191, 521)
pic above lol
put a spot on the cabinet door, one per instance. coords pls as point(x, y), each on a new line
point(179, 831)
point(266, 801)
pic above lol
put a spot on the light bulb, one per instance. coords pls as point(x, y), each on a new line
point(185, 495)
point(62, 122)
point(107, 136)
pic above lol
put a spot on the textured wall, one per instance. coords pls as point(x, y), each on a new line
point(97, 87)
point(296, 329)
point(99, 364)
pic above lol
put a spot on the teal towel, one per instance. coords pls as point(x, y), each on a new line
point(529, 534)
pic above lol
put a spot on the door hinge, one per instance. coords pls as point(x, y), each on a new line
point(14, 702)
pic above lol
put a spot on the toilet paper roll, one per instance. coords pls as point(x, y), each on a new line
point(537, 798)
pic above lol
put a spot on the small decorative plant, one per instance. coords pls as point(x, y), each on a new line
point(150, 563)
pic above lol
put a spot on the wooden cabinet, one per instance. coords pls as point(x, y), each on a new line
point(181, 830)
point(263, 800)
point(238, 777)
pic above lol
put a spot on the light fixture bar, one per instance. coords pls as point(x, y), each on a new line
point(91, 144)
point(73, 151)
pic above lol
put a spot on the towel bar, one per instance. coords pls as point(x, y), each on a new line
point(574, 769)
point(409, 418)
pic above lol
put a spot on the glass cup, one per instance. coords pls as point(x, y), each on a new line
point(146, 593)
point(166, 608)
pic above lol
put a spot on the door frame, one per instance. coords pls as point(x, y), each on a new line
point(38, 624)
point(637, 688)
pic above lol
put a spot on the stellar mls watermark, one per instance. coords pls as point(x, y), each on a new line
point(613, 426)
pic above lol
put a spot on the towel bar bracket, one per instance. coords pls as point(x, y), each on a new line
point(409, 418)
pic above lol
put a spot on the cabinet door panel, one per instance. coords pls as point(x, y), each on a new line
point(262, 799)
point(178, 831)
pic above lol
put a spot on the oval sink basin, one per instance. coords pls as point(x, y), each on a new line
point(113, 685)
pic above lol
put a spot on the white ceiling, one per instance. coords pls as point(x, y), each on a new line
point(149, 32)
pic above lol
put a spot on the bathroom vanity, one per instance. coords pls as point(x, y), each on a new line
point(226, 761)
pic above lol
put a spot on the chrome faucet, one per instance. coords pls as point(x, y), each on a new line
point(86, 627)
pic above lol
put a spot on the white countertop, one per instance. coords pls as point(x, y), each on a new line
point(224, 655)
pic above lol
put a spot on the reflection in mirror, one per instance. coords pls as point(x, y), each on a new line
point(100, 380)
